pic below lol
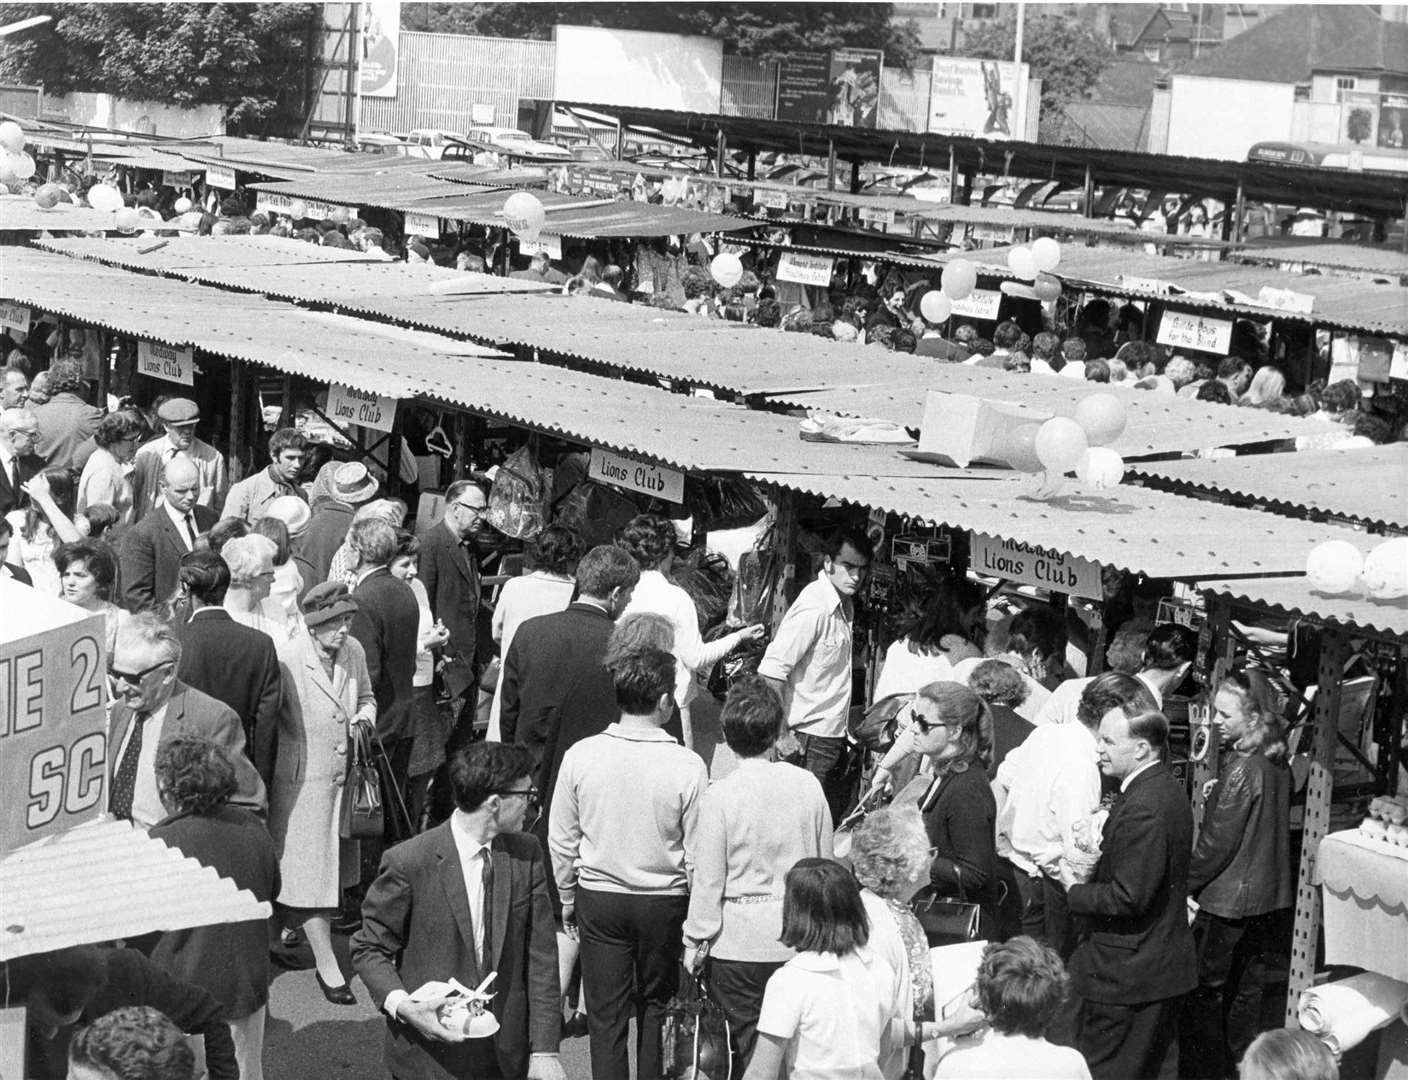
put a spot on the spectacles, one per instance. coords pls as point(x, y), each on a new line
point(134, 680)
point(534, 797)
point(926, 726)
point(478, 511)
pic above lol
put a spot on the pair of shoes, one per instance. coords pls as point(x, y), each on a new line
point(575, 1026)
point(337, 995)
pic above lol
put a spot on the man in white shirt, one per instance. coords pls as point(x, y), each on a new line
point(151, 706)
point(180, 415)
point(1168, 655)
point(621, 833)
point(1046, 788)
point(809, 664)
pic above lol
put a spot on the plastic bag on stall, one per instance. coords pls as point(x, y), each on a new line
point(709, 582)
point(759, 575)
point(724, 502)
point(518, 499)
point(595, 511)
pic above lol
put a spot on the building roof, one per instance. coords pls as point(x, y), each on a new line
point(1304, 38)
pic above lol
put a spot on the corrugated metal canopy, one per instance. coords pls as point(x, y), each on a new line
point(20, 214)
point(1149, 532)
point(105, 881)
point(1292, 596)
point(1368, 485)
point(1158, 423)
point(1371, 258)
point(137, 157)
point(391, 190)
point(1131, 528)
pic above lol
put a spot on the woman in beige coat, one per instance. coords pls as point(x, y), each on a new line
point(326, 691)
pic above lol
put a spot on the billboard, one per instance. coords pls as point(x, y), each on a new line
point(853, 87)
point(802, 81)
point(977, 98)
point(638, 67)
point(1393, 121)
point(381, 47)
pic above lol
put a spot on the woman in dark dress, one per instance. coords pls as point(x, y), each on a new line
point(230, 960)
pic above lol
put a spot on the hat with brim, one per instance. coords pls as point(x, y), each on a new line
point(326, 603)
point(353, 484)
point(292, 511)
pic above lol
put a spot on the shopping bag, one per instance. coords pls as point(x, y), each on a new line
point(519, 498)
point(696, 1035)
point(362, 812)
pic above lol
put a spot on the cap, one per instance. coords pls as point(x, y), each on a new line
point(178, 410)
point(352, 483)
point(326, 602)
point(292, 511)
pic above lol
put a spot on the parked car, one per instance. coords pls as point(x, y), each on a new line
point(429, 142)
point(382, 143)
point(514, 141)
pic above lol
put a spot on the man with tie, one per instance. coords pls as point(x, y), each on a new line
point(450, 572)
point(19, 432)
point(466, 900)
point(180, 416)
point(152, 706)
point(153, 548)
point(1135, 960)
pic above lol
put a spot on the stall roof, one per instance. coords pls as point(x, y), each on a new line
point(797, 368)
point(109, 880)
point(1129, 528)
point(1335, 189)
point(1293, 596)
point(20, 214)
point(142, 157)
point(1335, 254)
point(1368, 485)
point(394, 189)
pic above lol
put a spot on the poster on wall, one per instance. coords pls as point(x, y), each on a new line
point(381, 47)
point(1393, 119)
point(854, 87)
point(976, 97)
point(802, 87)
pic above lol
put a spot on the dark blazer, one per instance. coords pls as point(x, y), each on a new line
point(10, 499)
point(450, 573)
point(1136, 946)
point(190, 712)
point(151, 556)
point(238, 665)
point(961, 822)
point(1009, 731)
point(1242, 862)
point(386, 624)
point(555, 691)
point(326, 531)
point(229, 960)
point(416, 928)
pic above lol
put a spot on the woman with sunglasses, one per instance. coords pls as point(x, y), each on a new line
point(952, 729)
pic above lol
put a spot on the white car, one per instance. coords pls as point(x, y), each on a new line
point(518, 142)
point(429, 142)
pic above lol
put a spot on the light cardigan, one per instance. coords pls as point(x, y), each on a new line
point(658, 594)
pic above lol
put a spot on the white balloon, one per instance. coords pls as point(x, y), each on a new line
point(524, 214)
point(1100, 468)
point(11, 136)
point(1046, 253)
point(298, 209)
point(127, 220)
point(1334, 567)
point(20, 164)
point(104, 197)
point(1386, 570)
point(727, 269)
point(1019, 261)
point(935, 306)
point(182, 205)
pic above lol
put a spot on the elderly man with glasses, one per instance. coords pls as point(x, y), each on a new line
point(19, 432)
point(449, 568)
point(151, 706)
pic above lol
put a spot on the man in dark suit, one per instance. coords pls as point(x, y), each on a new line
point(386, 625)
point(231, 662)
point(1135, 960)
point(153, 706)
point(555, 690)
point(450, 573)
point(152, 549)
point(19, 432)
point(463, 900)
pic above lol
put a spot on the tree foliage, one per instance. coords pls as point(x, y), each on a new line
point(250, 59)
point(765, 31)
point(1062, 53)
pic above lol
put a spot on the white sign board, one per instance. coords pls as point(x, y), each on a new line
point(877, 216)
point(14, 317)
point(769, 199)
point(360, 407)
point(1141, 284)
point(976, 97)
point(633, 474)
point(166, 362)
point(272, 201)
point(1286, 300)
point(1187, 330)
point(805, 269)
point(993, 234)
point(546, 243)
point(220, 176)
point(53, 727)
point(1031, 564)
point(381, 46)
point(423, 225)
point(979, 304)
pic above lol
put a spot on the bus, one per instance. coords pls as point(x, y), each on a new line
point(1329, 156)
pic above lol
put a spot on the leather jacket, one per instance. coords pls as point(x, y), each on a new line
point(1242, 861)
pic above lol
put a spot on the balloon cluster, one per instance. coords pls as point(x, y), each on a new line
point(1078, 443)
point(1336, 567)
point(524, 215)
point(15, 165)
point(1035, 264)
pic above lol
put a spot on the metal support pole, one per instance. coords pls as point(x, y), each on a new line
point(286, 417)
point(1335, 651)
point(1087, 202)
point(720, 148)
point(830, 164)
point(1019, 126)
point(855, 178)
point(237, 420)
point(952, 175)
point(1224, 645)
point(752, 164)
point(1239, 227)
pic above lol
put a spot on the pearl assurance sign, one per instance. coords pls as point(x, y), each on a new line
point(1032, 564)
point(633, 474)
point(166, 362)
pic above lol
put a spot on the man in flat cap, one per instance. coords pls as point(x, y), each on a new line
point(179, 416)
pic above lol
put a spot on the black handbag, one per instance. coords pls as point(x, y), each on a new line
point(362, 811)
point(695, 1036)
point(948, 920)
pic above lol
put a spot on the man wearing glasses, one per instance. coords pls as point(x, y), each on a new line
point(449, 569)
point(19, 432)
point(468, 900)
point(151, 706)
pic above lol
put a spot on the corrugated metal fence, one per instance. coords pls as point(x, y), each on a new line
point(749, 87)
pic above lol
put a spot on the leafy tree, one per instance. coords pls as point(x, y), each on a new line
point(1360, 125)
point(250, 59)
point(1062, 53)
point(765, 31)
